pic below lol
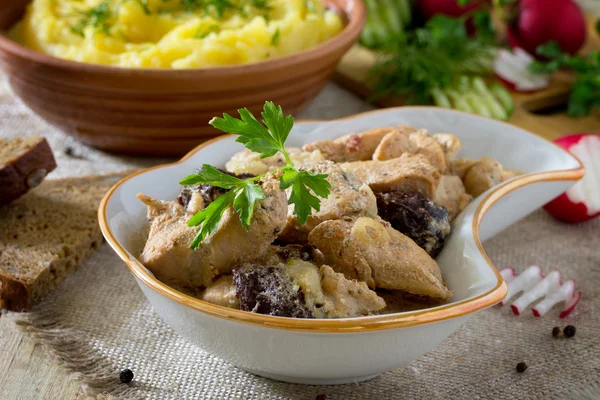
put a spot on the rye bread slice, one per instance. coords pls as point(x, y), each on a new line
point(46, 234)
point(24, 163)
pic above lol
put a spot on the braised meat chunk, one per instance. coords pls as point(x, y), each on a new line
point(348, 197)
point(411, 173)
point(371, 251)
point(451, 193)
point(394, 144)
point(222, 292)
point(354, 147)
point(450, 145)
point(167, 252)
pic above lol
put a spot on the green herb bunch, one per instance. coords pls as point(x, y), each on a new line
point(266, 138)
point(585, 91)
point(429, 58)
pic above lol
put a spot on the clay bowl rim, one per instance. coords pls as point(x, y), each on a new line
point(353, 12)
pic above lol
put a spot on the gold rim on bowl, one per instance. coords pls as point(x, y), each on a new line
point(348, 325)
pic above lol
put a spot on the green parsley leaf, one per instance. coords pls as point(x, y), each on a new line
point(275, 38)
point(279, 126)
point(585, 91)
point(301, 197)
point(267, 140)
point(484, 26)
point(209, 175)
point(252, 133)
point(551, 50)
point(244, 202)
point(210, 217)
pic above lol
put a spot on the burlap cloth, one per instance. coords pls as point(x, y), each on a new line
point(98, 322)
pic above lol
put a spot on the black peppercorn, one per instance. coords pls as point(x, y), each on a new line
point(556, 331)
point(321, 396)
point(569, 331)
point(521, 367)
point(126, 376)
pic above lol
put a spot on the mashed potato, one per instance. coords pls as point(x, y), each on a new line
point(174, 33)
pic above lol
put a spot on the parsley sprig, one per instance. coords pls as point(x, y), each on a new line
point(432, 57)
point(267, 138)
point(585, 90)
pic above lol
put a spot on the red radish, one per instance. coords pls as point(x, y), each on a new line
point(542, 21)
point(582, 201)
point(565, 293)
point(429, 8)
point(508, 274)
point(549, 291)
point(570, 305)
point(527, 279)
point(512, 69)
point(548, 285)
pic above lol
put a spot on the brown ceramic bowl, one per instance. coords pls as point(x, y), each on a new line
point(156, 112)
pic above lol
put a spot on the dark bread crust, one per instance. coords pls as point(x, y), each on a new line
point(47, 234)
point(25, 171)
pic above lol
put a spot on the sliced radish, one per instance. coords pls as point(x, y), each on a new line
point(527, 279)
point(570, 305)
point(548, 285)
point(582, 201)
point(511, 67)
point(564, 293)
point(508, 274)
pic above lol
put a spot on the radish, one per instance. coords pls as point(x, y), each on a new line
point(508, 274)
point(549, 284)
point(512, 69)
point(528, 278)
point(542, 21)
point(565, 293)
point(549, 291)
point(582, 201)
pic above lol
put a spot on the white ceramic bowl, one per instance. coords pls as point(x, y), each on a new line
point(353, 349)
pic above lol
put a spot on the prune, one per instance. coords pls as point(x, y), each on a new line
point(209, 193)
point(270, 291)
point(419, 218)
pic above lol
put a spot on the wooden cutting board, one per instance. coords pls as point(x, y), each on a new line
point(542, 112)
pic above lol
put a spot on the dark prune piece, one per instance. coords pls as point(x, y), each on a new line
point(209, 193)
point(419, 218)
point(270, 291)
